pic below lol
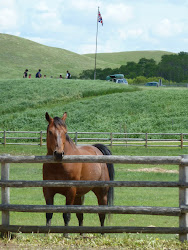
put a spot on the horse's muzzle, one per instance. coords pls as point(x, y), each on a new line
point(58, 155)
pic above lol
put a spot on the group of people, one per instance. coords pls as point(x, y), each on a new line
point(39, 75)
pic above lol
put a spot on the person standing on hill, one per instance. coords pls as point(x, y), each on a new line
point(25, 73)
point(68, 75)
point(38, 74)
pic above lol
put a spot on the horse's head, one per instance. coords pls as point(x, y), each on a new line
point(56, 135)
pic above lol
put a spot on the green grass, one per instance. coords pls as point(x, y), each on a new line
point(123, 197)
point(123, 57)
point(17, 54)
point(92, 106)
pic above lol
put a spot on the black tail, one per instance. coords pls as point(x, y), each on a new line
point(111, 172)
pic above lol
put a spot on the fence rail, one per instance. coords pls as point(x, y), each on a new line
point(107, 138)
point(181, 211)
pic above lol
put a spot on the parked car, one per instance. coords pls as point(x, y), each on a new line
point(117, 78)
point(156, 84)
point(124, 81)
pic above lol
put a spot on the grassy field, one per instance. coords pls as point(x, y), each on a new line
point(123, 57)
point(92, 106)
point(123, 196)
point(96, 106)
point(17, 54)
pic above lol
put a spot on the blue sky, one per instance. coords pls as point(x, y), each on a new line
point(128, 25)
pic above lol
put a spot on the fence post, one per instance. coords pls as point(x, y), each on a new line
point(146, 145)
point(5, 195)
point(181, 140)
point(4, 137)
point(41, 138)
point(76, 138)
point(183, 199)
point(111, 139)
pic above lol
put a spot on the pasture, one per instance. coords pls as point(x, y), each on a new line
point(92, 106)
point(123, 196)
point(96, 106)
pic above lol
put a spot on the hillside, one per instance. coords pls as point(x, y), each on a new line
point(17, 54)
point(124, 57)
point(92, 106)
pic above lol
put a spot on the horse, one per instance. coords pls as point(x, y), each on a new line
point(59, 144)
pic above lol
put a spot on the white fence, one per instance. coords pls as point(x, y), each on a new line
point(107, 138)
point(181, 211)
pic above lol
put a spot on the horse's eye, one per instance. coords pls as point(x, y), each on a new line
point(50, 132)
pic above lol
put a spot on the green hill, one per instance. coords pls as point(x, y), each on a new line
point(17, 54)
point(92, 106)
point(122, 58)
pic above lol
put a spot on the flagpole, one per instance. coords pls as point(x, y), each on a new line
point(96, 46)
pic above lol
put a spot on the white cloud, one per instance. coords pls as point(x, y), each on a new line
point(8, 15)
point(118, 13)
point(85, 4)
point(132, 33)
point(167, 28)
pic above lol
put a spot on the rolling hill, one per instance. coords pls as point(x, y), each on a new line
point(17, 54)
point(124, 57)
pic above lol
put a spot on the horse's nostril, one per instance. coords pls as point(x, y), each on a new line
point(58, 156)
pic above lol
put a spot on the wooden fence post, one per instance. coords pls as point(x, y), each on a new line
point(76, 138)
point(111, 139)
point(41, 138)
point(181, 140)
point(5, 195)
point(5, 138)
point(146, 145)
point(183, 199)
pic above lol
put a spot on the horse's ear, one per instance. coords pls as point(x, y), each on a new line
point(48, 118)
point(64, 116)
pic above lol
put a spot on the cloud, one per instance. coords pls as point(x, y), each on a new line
point(118, 13)
point(167, 28)
point(131, 33)
point(8, 15)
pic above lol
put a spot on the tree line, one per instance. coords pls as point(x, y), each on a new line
point(173, 68)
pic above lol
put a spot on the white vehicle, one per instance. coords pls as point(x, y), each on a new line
point(117, 78)
point(124, 81)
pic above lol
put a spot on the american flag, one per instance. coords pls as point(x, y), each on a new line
point(100, 18)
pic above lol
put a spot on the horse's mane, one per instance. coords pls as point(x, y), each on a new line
point(59, 122)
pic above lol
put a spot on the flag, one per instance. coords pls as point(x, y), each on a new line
point(100, 18)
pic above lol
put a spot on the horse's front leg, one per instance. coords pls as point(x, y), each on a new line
point(79, 200)
point(70, 197)
point(49, 197)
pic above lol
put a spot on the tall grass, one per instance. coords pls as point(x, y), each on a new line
point(92, 106)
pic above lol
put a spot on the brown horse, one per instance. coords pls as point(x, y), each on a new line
point(59, 144)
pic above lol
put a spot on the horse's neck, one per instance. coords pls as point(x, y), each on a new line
point(70, 147)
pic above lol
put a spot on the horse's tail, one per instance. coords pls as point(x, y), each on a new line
point(110, 166)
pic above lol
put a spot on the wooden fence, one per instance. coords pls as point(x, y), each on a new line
point(181, 211)
point(107, 138)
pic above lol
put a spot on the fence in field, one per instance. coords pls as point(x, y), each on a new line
point(181, 211)
point(107, 138)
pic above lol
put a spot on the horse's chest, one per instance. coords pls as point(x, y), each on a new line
point(58, 172)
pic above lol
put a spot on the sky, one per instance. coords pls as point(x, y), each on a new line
point(129, 25)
